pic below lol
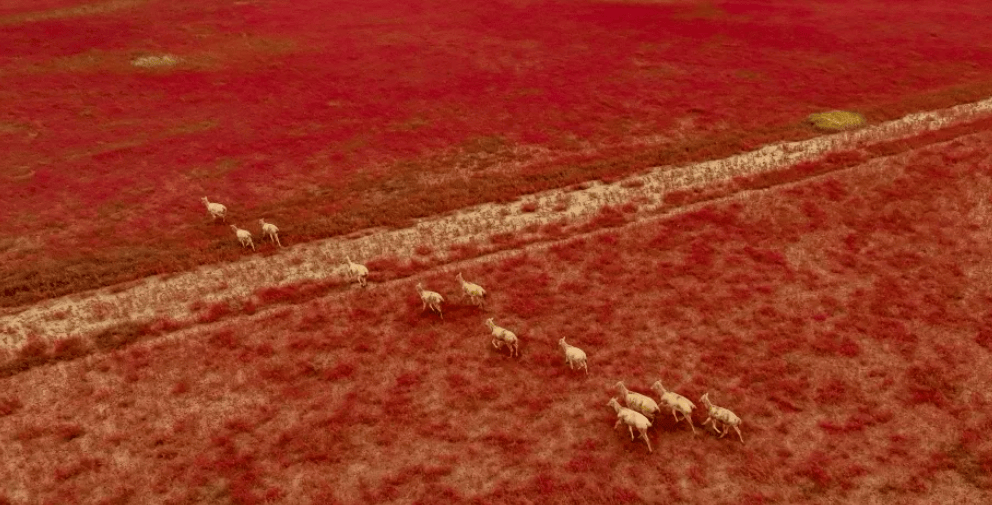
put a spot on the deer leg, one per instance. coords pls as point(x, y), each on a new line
point(725, 430)
point(647, 440)
point(631, 433)
point(617, 424)
point(739, 434)
point(586, 367)
point(690, 425)
point(676, 415)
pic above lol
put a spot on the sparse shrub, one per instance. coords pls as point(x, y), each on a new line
point(278, 373)
point(68, 432)
point(832, 343)
point(161, 325)
point(271, 295)
point(571, 251)
point(554, 229)
point(180, 387)
point(488, 393)
point(608, 217)
point(816, 469)
point(339, 371)
point(214, 312)
point(831, 393)
point(426, 341)
point(27, 432)
point(249, 307)
point(386, 264)
point(459, 252)
point(502, 238)
point(9, 405)
point(119, 335)
point(224, 339)
point(325, 495)
point(34, 350)
point(701, 258)
point(69, 470)
point(984, 336)
point(360, 313)
point(683, 197)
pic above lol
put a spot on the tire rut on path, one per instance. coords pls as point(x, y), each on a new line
point(170, 296)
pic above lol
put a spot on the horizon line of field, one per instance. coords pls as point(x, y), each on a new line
point(691, 177)
point(131, 332)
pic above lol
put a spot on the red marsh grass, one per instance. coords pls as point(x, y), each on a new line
point(841, 317)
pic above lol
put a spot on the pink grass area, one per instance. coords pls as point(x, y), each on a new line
point(844, 318)
point(318, 117)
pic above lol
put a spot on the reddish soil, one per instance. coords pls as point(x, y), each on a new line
point(843, 317)
point(327, 121)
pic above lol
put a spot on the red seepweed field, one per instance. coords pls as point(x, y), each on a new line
point(844, 318)
point(839, 306)
point(333, 117)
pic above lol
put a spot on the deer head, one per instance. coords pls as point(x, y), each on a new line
point(705, 399)
point(614, 403)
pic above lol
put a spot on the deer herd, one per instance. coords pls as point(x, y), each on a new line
point(638, 411)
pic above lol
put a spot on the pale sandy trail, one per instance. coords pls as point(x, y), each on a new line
point(84, 313)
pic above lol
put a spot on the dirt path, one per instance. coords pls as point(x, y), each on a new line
point(83, 313)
